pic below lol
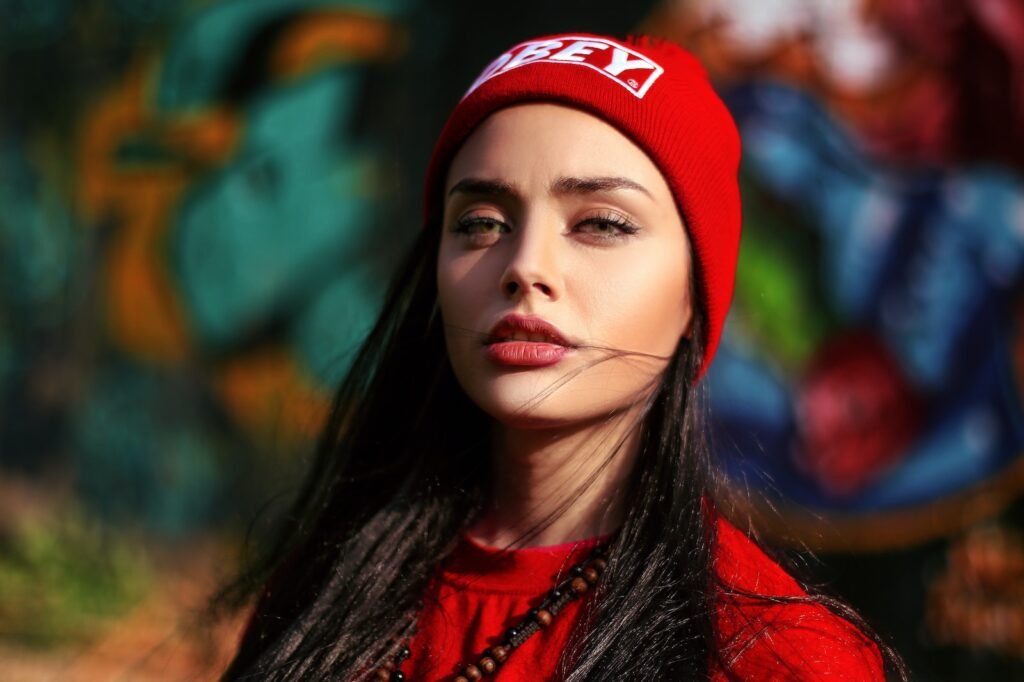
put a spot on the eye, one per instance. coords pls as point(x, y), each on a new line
point(477, 225)
point(607, 227)
point(479, 229)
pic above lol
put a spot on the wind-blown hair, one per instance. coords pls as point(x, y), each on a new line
point(402, 466)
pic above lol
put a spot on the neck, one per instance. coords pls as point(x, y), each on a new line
point(553, 486)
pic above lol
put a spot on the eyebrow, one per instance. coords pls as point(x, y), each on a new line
point(574, 185)
point(564, 185)
point(485, 188)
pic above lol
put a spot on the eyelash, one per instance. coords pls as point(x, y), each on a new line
point(465, 225)
point(624, 227)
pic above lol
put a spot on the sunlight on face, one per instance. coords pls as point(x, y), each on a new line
point(553, 214)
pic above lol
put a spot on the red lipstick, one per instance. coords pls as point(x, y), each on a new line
point(526, 341)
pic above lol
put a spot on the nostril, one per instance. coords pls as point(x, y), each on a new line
point(512, 287)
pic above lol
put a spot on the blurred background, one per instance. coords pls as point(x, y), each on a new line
point(201, 202)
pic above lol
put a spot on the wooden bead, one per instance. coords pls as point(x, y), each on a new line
point(581, 578)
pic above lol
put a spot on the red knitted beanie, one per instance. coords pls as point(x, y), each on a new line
point(659, 96)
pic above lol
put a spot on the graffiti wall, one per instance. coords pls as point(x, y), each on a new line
point(200, 203)
point(869, 391)
point(189, 207)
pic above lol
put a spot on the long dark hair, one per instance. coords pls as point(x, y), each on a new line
point(402, 466)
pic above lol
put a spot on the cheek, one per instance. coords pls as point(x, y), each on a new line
point(642, 304)
point(460, 293)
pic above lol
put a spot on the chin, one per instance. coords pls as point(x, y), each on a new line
point(538, 419)
point(536, 405)
point(529, 422)
point(552, 397)
point(521, 401)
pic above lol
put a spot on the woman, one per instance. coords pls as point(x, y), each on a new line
point(514, 482)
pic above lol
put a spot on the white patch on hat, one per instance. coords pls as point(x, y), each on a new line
point(625, 66)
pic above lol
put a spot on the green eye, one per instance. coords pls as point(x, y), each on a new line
point(480, 225)
point(608, 227)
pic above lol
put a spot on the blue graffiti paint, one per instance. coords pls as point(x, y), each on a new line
point(282, 218)
point(328, 332)
point(928, 261)
point(38, 240)
point(142, 459)
point(209, 43)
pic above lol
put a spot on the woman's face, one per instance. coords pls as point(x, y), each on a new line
point(555, 216)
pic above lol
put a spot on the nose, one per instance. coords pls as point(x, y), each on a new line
point(533, 267)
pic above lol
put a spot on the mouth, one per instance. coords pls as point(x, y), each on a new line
point(526, 329)
point(526, 341)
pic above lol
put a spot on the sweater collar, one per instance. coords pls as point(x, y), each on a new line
point(526, 570)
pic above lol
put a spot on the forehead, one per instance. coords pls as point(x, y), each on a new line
point(546, 140)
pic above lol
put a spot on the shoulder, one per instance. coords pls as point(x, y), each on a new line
point(767, 627)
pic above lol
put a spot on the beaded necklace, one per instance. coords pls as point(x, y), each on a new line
point(581, 578)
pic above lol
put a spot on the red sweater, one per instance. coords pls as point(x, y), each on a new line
point(481, 591)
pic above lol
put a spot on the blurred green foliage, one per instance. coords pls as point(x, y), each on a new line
point(784, 314)
point(63, 578)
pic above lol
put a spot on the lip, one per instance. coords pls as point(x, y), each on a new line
point(504, 351)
